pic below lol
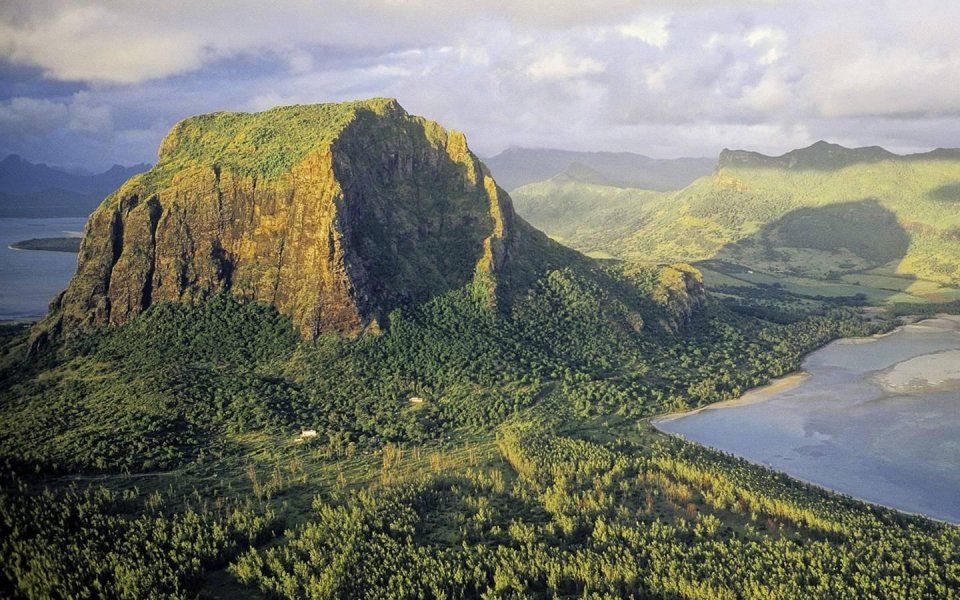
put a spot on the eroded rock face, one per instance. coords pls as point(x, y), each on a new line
point(679, 293)
point(384, 210)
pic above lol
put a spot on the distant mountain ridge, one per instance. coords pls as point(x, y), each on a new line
point(824, 211)
point(38, 190)
point(824, 155)
point(516, 167)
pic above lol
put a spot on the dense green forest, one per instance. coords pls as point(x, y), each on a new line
point(464, 452)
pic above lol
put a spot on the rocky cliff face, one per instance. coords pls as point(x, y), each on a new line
point(679, 294)
point(336, 214)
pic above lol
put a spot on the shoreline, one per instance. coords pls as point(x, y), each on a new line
point(21, 320)
point(751, 396)
point(790, 381)
point(812, 484)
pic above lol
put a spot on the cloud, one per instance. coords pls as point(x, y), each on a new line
point(128, 42)
point(665, 78)
point(558, 66)
point(97, 43)
point(31, 116)
point(651, 30)
point(772, 40)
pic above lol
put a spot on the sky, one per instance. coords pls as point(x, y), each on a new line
point(87, 84)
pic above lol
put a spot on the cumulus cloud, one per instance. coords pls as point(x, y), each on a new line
point(559, 66)
point(651, 30)
point(130, 41)
point(666, 78)
point(31, 116)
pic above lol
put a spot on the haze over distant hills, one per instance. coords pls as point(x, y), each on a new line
point(824, 155)
point(38, 190)
point(515, 167)
point(825, 211)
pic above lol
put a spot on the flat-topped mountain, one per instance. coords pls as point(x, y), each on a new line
point(824, 156)
point(334, 213)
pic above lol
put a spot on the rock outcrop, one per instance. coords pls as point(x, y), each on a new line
point(334, 213)
point(679, 294)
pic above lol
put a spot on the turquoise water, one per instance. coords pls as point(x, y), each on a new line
point(877, 419)
point(29, 279)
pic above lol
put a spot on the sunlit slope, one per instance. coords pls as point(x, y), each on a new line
point(574, 212)
point(891, 217)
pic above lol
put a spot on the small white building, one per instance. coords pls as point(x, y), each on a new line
point(308, 433)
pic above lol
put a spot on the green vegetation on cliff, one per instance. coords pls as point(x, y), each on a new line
point(336, 214)
point(265, 144)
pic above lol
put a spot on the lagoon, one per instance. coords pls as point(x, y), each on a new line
point(30, 279)
point(876, 418)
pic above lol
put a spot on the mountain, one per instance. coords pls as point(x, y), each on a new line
point(861, 216)
point(336, 214)
point(37, 190)
point(572, 208)
point(515, 167)
point(823, 155)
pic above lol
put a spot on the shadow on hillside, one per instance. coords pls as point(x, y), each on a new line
point(946, 193)
point(818, 252)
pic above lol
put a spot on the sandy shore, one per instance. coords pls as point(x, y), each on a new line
point(752, 396)
point(943, 322)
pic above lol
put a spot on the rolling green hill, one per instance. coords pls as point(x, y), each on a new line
point(552, 205)
point(847, 218)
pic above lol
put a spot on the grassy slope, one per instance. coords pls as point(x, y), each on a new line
point(549, 205)
point(887, 229)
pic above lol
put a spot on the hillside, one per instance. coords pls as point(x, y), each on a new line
point(858, 217)
point(572, 208)
point(40, 191)
point(516, 167)
point(486, 439)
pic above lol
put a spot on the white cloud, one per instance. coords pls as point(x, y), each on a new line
point(559, 66)
point(769, 39)
point(88, 42)
point(31, 116)
point(656, 78)
point(134, 40)
point(902, 61)
point(654, 31)
point(770, 94)
point(663, 78)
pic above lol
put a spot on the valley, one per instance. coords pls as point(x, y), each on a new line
point(819, 221)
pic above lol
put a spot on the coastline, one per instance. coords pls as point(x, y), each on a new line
point(766, 392)
point(751, 396)
point(813, 484)
point(790, 380)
